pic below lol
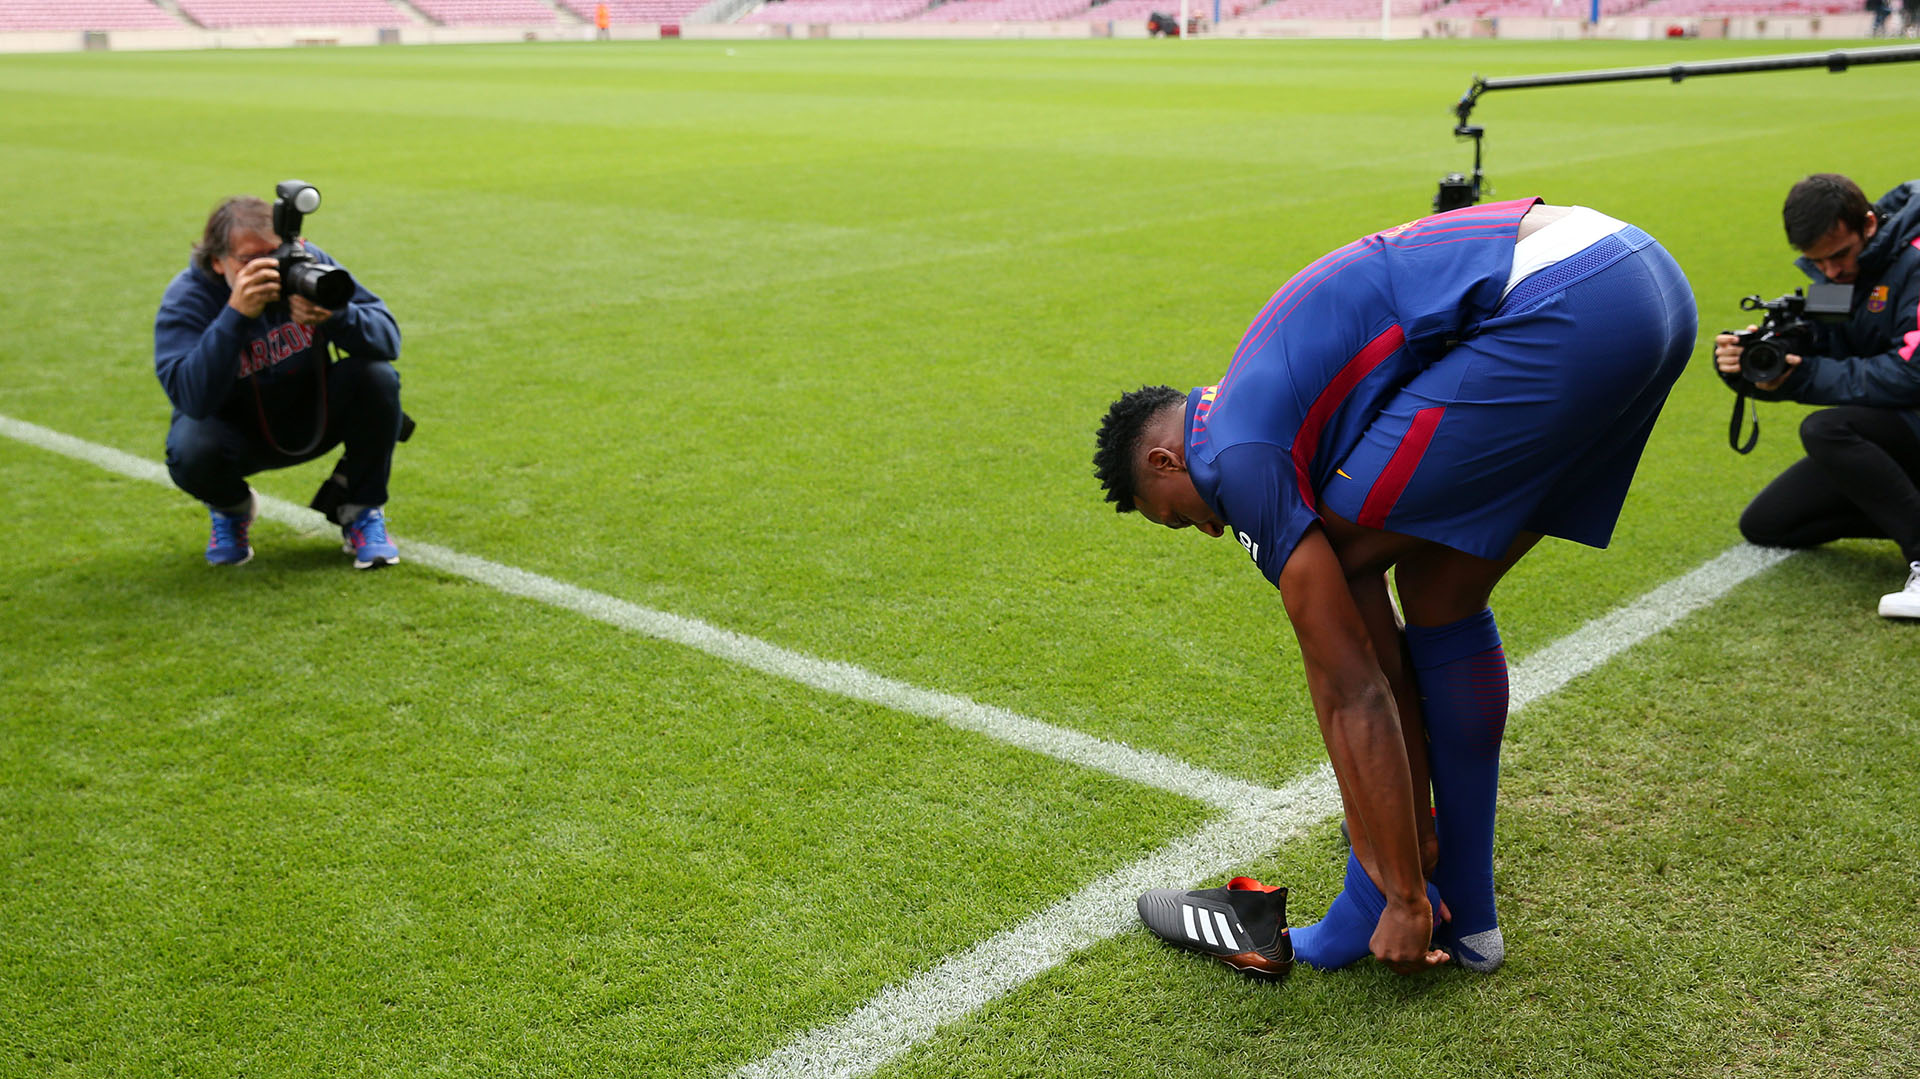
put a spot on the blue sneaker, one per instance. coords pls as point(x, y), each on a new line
point(229, 545)
point(366, 540)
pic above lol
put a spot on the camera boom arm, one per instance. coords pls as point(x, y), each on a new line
point(1462, 192)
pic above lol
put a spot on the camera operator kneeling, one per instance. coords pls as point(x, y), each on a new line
point(245, 345)
point(1861, 475)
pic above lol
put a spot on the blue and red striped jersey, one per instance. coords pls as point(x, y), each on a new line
point(1338, 338)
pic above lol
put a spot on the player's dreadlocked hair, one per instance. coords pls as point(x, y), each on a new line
point(1120, 436)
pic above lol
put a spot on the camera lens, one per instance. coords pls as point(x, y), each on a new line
point(323, 283)
point(1763, 361)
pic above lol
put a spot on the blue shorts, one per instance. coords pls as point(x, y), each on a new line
point(1537, 421)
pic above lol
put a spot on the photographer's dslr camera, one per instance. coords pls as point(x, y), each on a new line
point(301, 274)
point(1787, 328)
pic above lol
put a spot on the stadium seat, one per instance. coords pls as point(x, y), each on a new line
point(487, 12)
point(235, 14)
point(831, 11)
point(627, 12)
point(1005, 11)
point(30, 16)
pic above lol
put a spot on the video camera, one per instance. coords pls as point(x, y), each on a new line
point(301, 274)
point(1457, 190)
point(1787, 328)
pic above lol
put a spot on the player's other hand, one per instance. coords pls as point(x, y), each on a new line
point(1403, 939)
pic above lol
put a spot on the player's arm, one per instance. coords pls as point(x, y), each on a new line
point(1361, 727)
point(1371, 596)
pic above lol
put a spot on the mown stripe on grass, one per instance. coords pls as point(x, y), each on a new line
point(904, 1015)
point(1257, 821)
point(1552, 667)
point(844, 679)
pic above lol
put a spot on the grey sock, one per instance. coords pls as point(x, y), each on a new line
point(1482, 952)
point(347, 512)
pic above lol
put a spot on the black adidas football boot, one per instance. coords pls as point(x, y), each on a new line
point(1244, 925)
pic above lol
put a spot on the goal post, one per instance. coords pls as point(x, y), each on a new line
point(1194, 20)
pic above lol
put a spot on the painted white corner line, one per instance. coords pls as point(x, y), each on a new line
point(903, 1015)
point(843, 679)
point(847, 680)
point(1593, 644)
point(909, 1013)
point(1257, 821)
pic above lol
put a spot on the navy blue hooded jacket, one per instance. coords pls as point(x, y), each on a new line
point(204, 351)
point(1869, 359)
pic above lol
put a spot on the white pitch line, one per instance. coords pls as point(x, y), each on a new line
point(1258, 818)
point(904, 1015)
point(844, 679)
point(1552, 667)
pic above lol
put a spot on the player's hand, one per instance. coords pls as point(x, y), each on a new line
point(1403, 940)
point(256, 286)
point(306, 312)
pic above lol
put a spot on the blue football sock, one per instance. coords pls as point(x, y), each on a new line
point(1461, 670)
point(1345, 935)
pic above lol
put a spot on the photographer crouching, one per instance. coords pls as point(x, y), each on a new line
point(1861, 475)
point(273, 355)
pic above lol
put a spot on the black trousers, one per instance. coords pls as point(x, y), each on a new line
point(1859, 480)
point(211, 458)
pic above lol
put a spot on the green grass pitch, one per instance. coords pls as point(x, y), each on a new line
point(808, 340)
